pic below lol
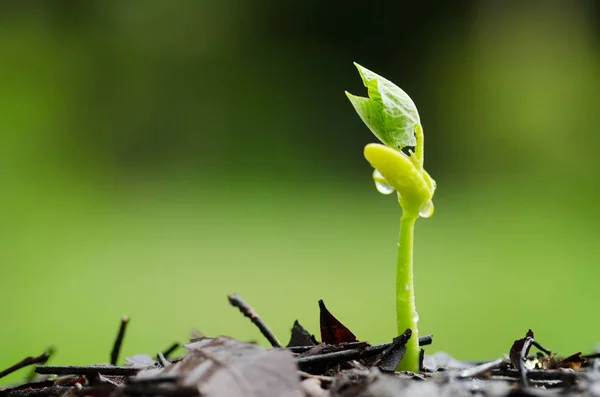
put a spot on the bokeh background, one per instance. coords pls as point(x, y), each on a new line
point(156, 156)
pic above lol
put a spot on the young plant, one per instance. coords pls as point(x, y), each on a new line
point(392, 116)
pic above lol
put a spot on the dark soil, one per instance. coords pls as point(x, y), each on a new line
point(339, 366)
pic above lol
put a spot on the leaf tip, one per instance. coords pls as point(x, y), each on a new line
point(361, 71)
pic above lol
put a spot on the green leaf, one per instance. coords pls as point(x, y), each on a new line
point(371, 113)
point(388, 112)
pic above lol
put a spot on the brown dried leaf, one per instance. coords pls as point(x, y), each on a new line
point(574, 361)
point(332, 331)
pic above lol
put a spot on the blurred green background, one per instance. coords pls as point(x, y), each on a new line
point(156, 156)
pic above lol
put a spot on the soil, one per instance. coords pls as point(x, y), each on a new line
point(339, 366)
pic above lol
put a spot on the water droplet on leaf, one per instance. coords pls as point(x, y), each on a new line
point(405, 287)
point(381, 184)
point(426, 210)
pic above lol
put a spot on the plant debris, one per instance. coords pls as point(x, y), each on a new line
point(224, 366)
point(114, 354)
point(171, 349)
point(41, 359)
point(332, 331)
point(340, 366)
point(391, 357)
point(249, 312)
point(301, 337)
point(520, 360)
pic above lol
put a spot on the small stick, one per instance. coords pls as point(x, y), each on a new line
point(249, 312)
point(591, 356)
point(162, 360)
point(344, 355)
point(87, 370)
point(324, 348)
point(114, 354)
point(482, 369)
point(155, 379)
point(540, 347)
point(171, 349)
point(423, 341)
point(522, 370)
point(41, 359)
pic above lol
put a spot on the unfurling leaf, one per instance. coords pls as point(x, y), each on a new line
point(388, 112)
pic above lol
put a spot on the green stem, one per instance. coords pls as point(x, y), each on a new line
point(405, 295)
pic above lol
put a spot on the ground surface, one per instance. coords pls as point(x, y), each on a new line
point(338, 366)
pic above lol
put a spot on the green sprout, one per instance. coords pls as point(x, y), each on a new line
point(392, 116)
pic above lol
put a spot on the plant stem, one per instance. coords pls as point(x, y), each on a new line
point(405, 295)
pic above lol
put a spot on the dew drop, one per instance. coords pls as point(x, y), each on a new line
point(381, 184)
point(405, 287)
point(416, 317)
point(426, 210)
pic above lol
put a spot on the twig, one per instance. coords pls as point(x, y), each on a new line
point(344, 355)
point(162, 360)
point(423, 341)
point(349, 354)
point(171, 349)
point(114, 354)
point(329, 348)
point(522, 370)
point(249, 312)
point(482, 369)
point(540, 347)
point(41, 359)
point(591, 356)
point(154, 379)
point(87, 370)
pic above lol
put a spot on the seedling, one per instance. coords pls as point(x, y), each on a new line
point(392, 116)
